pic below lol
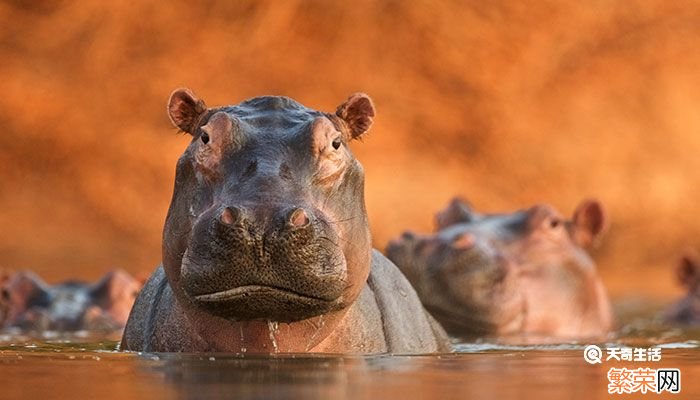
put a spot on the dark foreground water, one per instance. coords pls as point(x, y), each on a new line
point(84, 367)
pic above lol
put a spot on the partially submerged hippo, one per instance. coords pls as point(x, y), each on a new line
point(266, 246)
point(687, 310)
point(522, 272)
point(32, 305)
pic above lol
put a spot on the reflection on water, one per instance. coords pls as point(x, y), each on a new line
point(85, 367)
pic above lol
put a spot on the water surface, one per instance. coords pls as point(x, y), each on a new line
point(88, 367)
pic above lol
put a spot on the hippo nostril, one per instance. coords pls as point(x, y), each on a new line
point(463, 241)
point(298, 218)
point(231, 215)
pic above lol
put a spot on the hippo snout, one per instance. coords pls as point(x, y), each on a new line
point(281, 263)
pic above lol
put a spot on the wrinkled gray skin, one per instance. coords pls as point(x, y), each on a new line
point(523, 272)
point(687, 310)
point(31, 305)
point(266, 246)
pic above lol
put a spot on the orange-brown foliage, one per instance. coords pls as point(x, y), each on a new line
point(505, 103)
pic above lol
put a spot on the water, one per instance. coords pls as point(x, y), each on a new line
point(88, 367)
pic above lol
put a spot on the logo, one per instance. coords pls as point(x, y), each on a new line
point(593, 354)
point(635, 380)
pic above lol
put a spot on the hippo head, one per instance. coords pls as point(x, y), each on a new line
point(267, 219)
point(503, 273)
point(33, 305)
point(553, 267)
point(462, 279)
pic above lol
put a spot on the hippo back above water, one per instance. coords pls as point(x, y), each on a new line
point(524, 272)
point(266, 246)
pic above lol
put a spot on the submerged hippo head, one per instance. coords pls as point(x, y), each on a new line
point(33, 305)
point(267, 220)
point(687, 310)
point(525, 271)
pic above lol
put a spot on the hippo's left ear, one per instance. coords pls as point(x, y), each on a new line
point(185, 109)
point(590, 223)
point(358, 113)
point(457, 212)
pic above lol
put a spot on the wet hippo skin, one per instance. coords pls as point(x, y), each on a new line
point(524, 272)
point(266, 246)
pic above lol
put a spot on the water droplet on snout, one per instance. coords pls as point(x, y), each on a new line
point(272, 327)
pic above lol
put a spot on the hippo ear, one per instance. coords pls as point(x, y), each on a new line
point(29, 279)
point(457, 212)
point(358, 114)
point(114, 284)
point(688, 269)
point(185, 109)
point(102, 287)
point(23, 285)
point(589, 223)
point(4, 289)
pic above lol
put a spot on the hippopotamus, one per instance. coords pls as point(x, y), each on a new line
point(524, 272)
point(687, 310)
point(31, 305)
point(266, 245)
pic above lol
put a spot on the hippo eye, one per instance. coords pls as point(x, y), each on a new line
point(336, 143)
point(5, 294)
point(554, 223)
point(204, 137)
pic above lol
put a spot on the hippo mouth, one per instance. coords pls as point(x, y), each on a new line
point(253, 290)
point(245, 271)
point(261, 302)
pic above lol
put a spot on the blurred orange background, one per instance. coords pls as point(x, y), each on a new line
point(504, 103)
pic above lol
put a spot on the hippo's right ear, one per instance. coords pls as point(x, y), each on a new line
point(358, 113)
point(688, 270)
point(457, 212)
point(185, 109)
